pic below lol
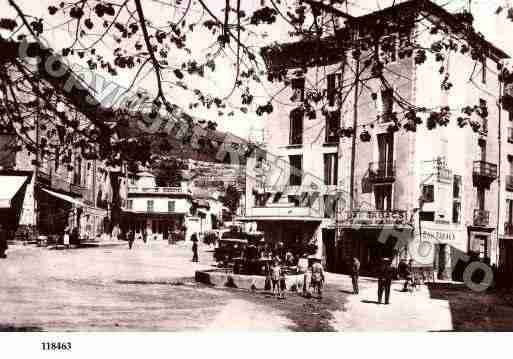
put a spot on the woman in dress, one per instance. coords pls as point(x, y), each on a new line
point(65, 239)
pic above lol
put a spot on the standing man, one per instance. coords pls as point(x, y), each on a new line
point(131, 238)
point(3, 242)
point(355, 273)
point(194, 239)
point(385, 280)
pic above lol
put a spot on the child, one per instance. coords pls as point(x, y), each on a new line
point(275, 277)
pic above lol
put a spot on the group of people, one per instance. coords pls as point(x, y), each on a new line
point(386, 273)
point(313, 277)
point(132, 236)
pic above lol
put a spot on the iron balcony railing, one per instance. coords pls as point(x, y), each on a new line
point(374, 217)
point(481, 217)
point(135, 189)
point(508, 228)
point(382, 171)
point(485, 170)
point(509, 183)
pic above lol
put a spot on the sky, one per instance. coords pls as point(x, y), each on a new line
point(220, 82)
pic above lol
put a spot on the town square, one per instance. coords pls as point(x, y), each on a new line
point(256, 166)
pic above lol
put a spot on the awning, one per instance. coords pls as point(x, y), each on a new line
point(9, 186)
point(65, 197)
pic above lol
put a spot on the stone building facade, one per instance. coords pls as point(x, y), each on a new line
point(444, 192)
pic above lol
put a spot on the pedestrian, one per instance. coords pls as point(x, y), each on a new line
point(283, 283)
point(131, 237)
point(317, 277)
point(145, 236)
point(65, 237)
point(194, 239)
point(307, 282)
point(275, 278)
point(3, 242)
point(355, 273)
point(385, 275)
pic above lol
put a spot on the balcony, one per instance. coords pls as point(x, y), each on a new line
point(282, 212)
point(484, 173)
point(509, 183)
point(508, 228)
point(380, 172)
point(374, 218)
point(481, 218)
point(62, 184)
point(157, 190)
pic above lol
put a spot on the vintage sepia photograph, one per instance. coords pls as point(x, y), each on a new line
point(255, 166)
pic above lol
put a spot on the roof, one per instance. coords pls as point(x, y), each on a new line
point(331, 49)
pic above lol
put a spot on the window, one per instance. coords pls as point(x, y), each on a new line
point(130, 204)
point(388, 52)
point(482, 149)
point(298, 89)
point(456, 212)
point(383, 197)
point(77, 174)
point(386, 155)
point(330, 169)
point(330, 206)
point(427, 216)
point(296, 127)
point(387, 99)
point(456, 187)
point(510, 115)
point(481, 198)
point(56, 164)
point(428, 193)
point(150, 205)
point(171, 206)
point(332, 126)
point(479, 246)
point(483, 70)
point(509, 211)
point(333, 82)
point(296, 165)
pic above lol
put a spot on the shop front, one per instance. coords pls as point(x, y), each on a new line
point(11, 200)
point(436, 246)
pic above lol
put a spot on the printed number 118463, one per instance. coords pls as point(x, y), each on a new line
point(56, 346)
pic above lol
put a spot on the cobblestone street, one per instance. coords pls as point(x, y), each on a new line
point(152, 288)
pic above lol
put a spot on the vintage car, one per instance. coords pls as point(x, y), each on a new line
point(228, 249)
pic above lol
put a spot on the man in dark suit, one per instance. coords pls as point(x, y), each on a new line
point(355, 273)
point(385, 276)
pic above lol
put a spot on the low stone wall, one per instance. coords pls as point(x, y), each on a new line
point(221, 278)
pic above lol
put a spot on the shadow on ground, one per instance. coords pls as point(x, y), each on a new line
point(475, 311)
point(308, 314)
point(12, 328)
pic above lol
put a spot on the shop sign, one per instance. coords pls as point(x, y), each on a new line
point(438, 236)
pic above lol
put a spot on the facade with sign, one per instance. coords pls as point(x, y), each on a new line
point(381, 190)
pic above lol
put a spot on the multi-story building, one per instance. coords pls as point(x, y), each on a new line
point(160, 211)
point(55, 190)
point(438, 186)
